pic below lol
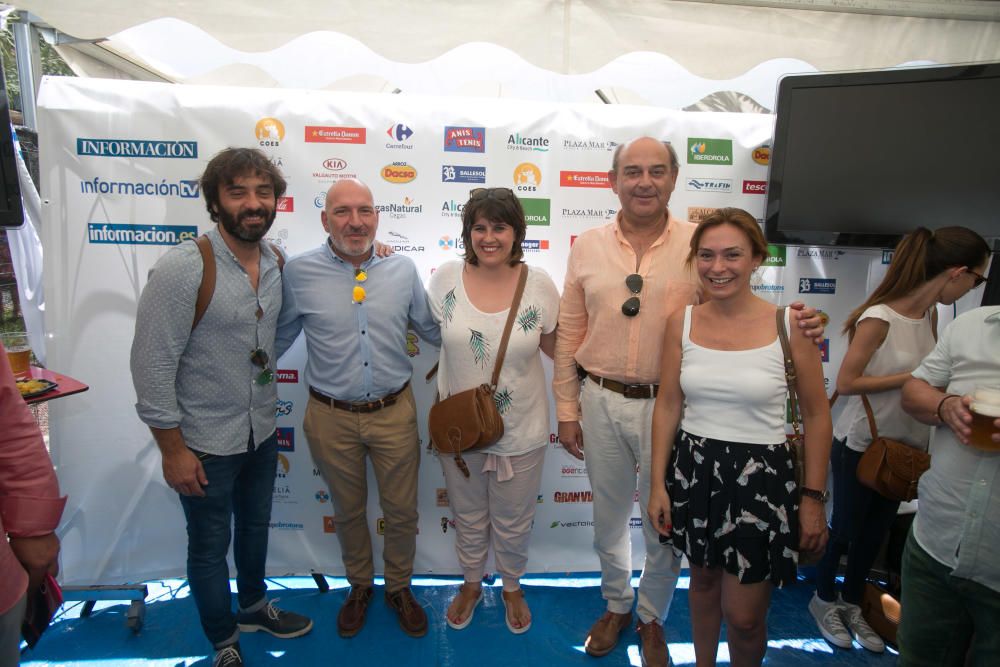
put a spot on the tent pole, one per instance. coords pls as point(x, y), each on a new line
point(29, 66)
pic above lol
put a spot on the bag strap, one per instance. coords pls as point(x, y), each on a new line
point(207, 287)
point(871, 417)
point(515, 304)
point(790, 376)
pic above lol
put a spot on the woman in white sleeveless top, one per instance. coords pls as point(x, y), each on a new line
point(730, 501)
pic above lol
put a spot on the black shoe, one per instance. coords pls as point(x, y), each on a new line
point(270, 619)
point(228, 656)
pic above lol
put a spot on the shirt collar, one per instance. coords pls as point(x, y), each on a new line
point(371, 261)
point(994, 316)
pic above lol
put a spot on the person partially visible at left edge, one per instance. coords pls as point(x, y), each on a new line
point(208, 395)
point(355, 308)
point(30, 508)
point(951, 563)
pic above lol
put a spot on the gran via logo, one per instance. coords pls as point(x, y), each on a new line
point(709, 151)
point(817, 285)
point(102, 232)
point(136, 148)
point(165, 188)
point(775, 255)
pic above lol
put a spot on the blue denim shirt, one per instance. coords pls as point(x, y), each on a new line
point(958, 515)
point(356, 351)
point(203, 380)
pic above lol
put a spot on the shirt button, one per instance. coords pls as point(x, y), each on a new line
point(366, 363)
point(362, 332)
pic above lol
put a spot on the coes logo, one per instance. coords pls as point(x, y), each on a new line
point(269, 132)
point(527, 177)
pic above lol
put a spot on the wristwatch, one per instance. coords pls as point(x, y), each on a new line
point(820, 496)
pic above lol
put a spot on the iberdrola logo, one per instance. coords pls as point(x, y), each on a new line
point(710, 151)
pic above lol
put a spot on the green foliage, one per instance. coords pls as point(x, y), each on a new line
point(449, 306)
point(52, 63)
point(503, 400)
point(480, 347)
point(529, 318)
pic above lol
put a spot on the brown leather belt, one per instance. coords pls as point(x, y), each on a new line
point(626, 390)
point(370, 406)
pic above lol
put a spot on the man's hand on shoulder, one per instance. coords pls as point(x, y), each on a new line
point(810, 321)
point(382, 250)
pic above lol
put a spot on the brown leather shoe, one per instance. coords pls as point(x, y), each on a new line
point(412, 618)
point(351, 618)
point(605, 632)
point(652, 645)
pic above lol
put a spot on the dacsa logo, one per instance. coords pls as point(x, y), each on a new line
point(269, 131)
point(399, 172)
point(762, 155)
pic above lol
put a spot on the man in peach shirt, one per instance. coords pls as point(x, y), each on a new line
point(622, 281)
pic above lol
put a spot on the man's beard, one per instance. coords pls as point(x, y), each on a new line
point(349, 252)
point(236, 228)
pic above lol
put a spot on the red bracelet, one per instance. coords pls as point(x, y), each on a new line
point(941, 405)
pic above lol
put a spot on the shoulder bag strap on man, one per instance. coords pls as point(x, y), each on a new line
point(515, 304)
point(207, 287)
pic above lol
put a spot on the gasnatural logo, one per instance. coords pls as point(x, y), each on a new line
point(584, 179)
point(269, 131)
point(326, 134)
point(452, 209)
point(139, 234)
point(398, 211)
point(527, 177)
point(515, 142)
point(709, 184)
point(460, 173)
point(762, 154)
point(399, 172)
point(465, 139)
point(710, 151)
point(185, 189)
point(136, 148)
point(776, 255)
point(401, 134)
point(536, 211)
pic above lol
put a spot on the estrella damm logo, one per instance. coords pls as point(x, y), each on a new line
point(527, 177)
point(103, 232)
point(326, 134)
point(269, 131)
point(710, 151)
point(135, 148)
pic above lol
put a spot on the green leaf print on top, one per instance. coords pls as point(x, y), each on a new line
point(503, 400)
point(449, 305)
point(480, 347)
point(529, 318)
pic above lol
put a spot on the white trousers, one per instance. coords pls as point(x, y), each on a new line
point(490, 512)
point(616, 438)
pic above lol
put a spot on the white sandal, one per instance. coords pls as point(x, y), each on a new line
point(464, 624)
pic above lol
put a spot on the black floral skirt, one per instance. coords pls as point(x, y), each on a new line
point(734, 505)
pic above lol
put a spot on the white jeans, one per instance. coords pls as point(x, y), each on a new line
point(616, 438)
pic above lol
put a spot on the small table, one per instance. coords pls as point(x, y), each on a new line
point(67, 385)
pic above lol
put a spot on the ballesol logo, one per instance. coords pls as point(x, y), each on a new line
point(762, 155)
point(452, 209)
point(710, 151)
point(459, 173)
point(399, 172)
point(709, 184)
point(515, 142)
point(584, 179)
point(401, 134)
point(527, 177)
point(698, 213)
point(328, 525)
point(573, 496)
point(287, 375)
point(754, 187)
point(326, 134)
point(269, 132)
point(285, 205)
point(399, 211)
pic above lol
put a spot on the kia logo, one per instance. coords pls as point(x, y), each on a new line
point(335, 164)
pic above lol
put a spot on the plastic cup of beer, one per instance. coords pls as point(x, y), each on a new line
point(985, 409)
point(18, 352)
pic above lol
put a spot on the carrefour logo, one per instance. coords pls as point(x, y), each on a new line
point(184, 189)
point(710, 151)
point(269, 131)
point(137, 148)
point(817, 285)
point(400, 133)
point(458, 173)
point(139, 234)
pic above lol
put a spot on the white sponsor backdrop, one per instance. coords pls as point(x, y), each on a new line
point(122, 523)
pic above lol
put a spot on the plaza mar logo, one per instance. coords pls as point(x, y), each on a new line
point(710, 151)
point(269, 132)
point(527, 177)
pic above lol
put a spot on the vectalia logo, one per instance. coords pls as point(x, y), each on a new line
point(137, 148)
point(754, 187)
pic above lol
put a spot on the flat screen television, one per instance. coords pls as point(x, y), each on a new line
point(11, 212)
point(862, 158)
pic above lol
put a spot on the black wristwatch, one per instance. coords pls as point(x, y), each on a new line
point(820, 496)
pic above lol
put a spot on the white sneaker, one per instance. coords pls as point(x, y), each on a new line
point(830, 622)
point(860, 629)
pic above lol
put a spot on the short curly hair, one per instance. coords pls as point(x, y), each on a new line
point(228, 165)
point(506, 209)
